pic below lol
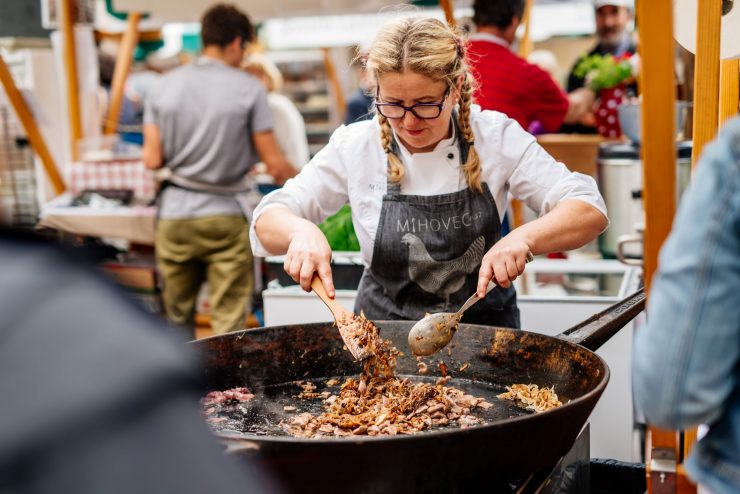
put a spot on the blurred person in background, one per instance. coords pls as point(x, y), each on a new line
point(544, 59)
point(612, 20)
point(131, 111)
point(510, 84)
point(98, 396)
point(430, 190)
point(686, 362)
point(360, 102)
point(287, 122)
point(203, 123)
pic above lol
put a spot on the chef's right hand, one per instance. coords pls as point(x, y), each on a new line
point(309, 253)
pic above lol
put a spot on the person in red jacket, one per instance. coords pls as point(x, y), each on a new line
point(507, 82)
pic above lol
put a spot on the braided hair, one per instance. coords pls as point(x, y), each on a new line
point(431, 48)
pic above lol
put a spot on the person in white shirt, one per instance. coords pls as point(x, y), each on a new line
point(427, 181)
point(288, 125)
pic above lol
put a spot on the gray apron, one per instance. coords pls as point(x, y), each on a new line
point(427, 254)
point(241, 191)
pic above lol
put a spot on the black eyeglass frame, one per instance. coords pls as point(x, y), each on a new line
point(439, 106)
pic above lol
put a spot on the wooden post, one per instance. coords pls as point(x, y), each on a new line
point(706, 70)
point(29, 125)
point(447, 7)
point(525, 48)
point(659, 137)
point(526, 45)
point(331, 74)
point(729, 89)
point(706, 101)
point(123, 65)
point(66, 11)
point(655, 18)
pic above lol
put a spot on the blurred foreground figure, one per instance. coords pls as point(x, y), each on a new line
point(97, 396)
point(687, 359)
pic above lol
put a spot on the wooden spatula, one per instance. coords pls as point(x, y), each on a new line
point(343, 319)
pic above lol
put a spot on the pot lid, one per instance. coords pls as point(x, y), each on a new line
point(631, 151)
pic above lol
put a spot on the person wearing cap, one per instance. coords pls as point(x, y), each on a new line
point(507, 82)
point(612, 19)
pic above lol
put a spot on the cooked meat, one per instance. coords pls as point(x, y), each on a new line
point(360, 334)
point(532, 397)
point(227, 396)
point(422, 367)
point(387, 406)
point(377, 403)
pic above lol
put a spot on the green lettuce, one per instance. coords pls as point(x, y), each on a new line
point(340, 232)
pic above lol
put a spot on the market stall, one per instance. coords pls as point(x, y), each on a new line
point(583, 286)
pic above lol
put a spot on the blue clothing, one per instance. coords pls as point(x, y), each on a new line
point(359, 107)
point(687, 359)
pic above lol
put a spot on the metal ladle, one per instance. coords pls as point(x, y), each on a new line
point(433, 332)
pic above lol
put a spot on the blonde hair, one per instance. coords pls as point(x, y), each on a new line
point(262, 67)
point(431, 48)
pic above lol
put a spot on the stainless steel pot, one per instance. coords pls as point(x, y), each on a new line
point(619, 171)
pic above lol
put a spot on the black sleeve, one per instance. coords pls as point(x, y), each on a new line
point(574, 82)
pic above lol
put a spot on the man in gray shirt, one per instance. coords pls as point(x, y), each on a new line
point(208, 123)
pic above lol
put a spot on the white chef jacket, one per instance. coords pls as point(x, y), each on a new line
point(352, 168)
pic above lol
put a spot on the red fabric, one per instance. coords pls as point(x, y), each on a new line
point(606, 115)
point(511, 85)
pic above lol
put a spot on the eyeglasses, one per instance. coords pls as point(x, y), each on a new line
point(423, 111)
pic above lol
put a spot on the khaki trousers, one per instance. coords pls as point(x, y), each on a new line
point(214, 249)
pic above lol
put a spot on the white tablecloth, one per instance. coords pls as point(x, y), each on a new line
point(135, 224)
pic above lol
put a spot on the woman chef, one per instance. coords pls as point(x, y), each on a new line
point(427, 181)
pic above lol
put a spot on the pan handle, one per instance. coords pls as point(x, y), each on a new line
point(595, 331)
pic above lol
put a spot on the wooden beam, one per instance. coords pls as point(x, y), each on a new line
point(706, 102)
point(29, 125)
point(448, 9)
point(729, 89)
point(657, 87)
point(331, 74)
point(123, 65)
point(525, 44)
point(658, 120)
point(706, 79)
point(525, 48)
point(684, 485)
point(663, 439)
point(144, 36)
point(66, 11)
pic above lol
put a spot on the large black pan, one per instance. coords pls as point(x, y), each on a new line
point(514, 442)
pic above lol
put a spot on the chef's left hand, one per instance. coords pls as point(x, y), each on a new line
point(503, 262)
